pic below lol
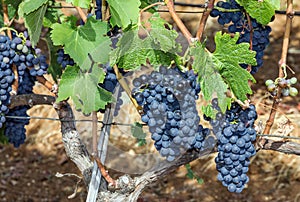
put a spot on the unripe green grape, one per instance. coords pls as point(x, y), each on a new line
point(293, 80)
point(285, 92)
point(269, 82)
point(293, 91)
point(271, 87)
point(20, 47)
point(25, 49)
point(5, 60)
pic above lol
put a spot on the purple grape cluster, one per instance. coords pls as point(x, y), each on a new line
point(98, 10)
point(30, 63)
point(6, 76)
point(235, 133)
point(28, 57)
point(15, 128)
point(240, 23)
point(168, 99)
point(64, 59)
point(110, 82)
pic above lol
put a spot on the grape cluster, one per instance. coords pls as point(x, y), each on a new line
point(110, 82)
point(284, 84)
point(29, 63)
point(240, 23)
point(98, 11)
point(6, 76)
point(235, 133)
point(64, 59)
point(15, 128)
point(28, 57)
point(168, 100)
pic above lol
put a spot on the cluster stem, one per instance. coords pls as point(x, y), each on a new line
point(282, 64)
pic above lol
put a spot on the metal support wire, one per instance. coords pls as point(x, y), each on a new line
point(122, 124)
point(279, 12)
point(66, 120)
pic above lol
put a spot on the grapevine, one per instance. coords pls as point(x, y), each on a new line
point(109, 47)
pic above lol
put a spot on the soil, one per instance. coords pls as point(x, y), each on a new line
point(28, 173)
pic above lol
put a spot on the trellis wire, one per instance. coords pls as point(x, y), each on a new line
point(280, 12)
point(122, 124)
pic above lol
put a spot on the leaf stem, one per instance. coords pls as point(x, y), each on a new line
point(126, 88)
point(204, 19)
point(81, 14)
point(249, 68)
point(152, 5)
point(282, 63)
point(178, 21)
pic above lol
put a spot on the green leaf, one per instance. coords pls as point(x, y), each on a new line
point(275, 4)
point(227, 57)
point(124, 13)
point(262, 11)
point(85, 43)
point(132, 52)
point(54, 68)
point(191, 175)
point(210, 79)
point(3, 138)
point(162, 34)
point(13, 3)
point(29, 6)
point(11, 13)
point(80, 3)
point(137, 131)
point(209, 111)
point(51, 17)
point(34, 22)
point(83, 88)
point(145, 3)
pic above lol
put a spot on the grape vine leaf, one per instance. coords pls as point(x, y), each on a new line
point(33, 21)
point(138, 133)
point(262, 11)
point(85, 44)
point(83, 88)
point(29, 6)
point(11, 13)
point(80, 3)
point(124, 13)
point(161, 32)
point(209, 77)
point(132, 52)
point(145, 3)
point(51, 17)
point(275, 4)
point(220, 70)
point(227, 57)
point(54, 68)
point(3, 138)
point(158, 47)
point(209, 111)
point(13, 3)
point(191, 175)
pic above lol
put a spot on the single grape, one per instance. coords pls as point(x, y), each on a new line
point(269, 82)
point(293, 80)
point(293, 91)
